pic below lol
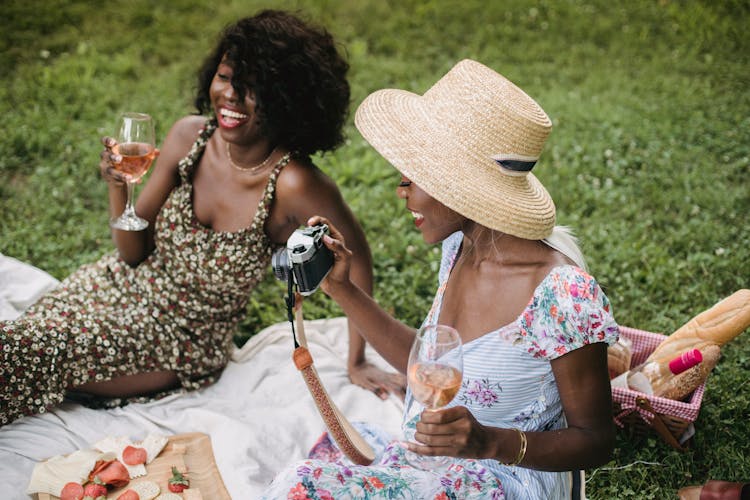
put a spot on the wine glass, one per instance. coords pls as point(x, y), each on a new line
point(434, 376)
point(136, 146)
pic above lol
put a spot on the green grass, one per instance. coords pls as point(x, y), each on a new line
point(649, 159)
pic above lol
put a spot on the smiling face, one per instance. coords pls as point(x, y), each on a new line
point(236, 115)
point(432, 218)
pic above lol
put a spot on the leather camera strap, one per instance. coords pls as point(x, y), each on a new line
point(351, 443)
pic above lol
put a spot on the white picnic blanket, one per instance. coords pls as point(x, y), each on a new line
point(259, 414)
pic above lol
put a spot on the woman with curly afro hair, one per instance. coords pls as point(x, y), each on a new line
point(230, 186)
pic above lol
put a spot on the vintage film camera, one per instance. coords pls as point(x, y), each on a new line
point(305, 259)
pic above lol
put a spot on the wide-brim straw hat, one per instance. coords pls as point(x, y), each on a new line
point(470, 142)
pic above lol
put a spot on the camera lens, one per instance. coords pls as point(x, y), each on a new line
point(280, 264)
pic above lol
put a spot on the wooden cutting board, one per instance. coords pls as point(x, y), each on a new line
point(191, 452)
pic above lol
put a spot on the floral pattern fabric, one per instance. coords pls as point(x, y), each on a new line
point(577, 313)
point(178, 310)
point(328, 475)
point(507, 382)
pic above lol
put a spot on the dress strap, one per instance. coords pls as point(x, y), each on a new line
point(270, 190)
point(186, 165)
point(271, 185)
point(437, 302)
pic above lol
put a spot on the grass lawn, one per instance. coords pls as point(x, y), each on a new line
point(649, 158)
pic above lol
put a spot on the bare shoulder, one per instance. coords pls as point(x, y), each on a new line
point(186, 129)
point(180, 139)
point(302, 177)
point(555, 258)
point(546, 261)
point(303, 190)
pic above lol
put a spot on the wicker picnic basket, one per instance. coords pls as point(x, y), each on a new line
point(640, 414)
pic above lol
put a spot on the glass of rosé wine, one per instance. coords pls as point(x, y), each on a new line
point(434, 375)
point(136, 146)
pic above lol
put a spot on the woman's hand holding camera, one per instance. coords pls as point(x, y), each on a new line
point(338, 277)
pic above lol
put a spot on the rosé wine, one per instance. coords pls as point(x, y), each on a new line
point(136, 158)
point(434, 384)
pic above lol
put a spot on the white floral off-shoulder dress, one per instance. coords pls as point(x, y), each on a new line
point(508, 382)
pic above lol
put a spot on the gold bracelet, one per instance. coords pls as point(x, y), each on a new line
point(521, 450)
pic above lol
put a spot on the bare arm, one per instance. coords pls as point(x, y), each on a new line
point(585, 394)
point(361, 372)
point(391, 338)
point(304, 191)
point(136, 246)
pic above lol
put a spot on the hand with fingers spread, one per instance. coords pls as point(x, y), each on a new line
point(381, 382)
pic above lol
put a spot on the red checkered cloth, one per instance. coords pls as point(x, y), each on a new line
point(644, 344)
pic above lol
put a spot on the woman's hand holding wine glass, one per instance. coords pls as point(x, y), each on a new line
point(130, 155)
point(434, 375)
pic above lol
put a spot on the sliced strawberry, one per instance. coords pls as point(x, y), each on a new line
point(72, 491)
point(134, 456)
point(95, 490)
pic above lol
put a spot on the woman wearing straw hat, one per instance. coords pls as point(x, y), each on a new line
point(535, 396)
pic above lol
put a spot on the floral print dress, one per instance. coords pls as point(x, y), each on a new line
point(507, 382)
point(178, 310)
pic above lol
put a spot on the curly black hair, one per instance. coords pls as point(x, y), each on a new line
point(297, 74)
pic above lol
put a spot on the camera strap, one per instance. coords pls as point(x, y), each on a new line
point(348, 439)
point(290, 302)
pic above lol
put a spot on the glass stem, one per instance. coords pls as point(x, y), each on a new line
point(129, 203)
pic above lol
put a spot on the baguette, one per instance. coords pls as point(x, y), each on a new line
point(716, 325)
point(689, 380)
point(619, 355)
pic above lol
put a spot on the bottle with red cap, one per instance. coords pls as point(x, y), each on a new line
point(652, 377)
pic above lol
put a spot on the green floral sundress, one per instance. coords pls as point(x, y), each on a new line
point(178, 310)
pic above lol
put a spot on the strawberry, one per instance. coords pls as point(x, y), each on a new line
point(178, 482)
point(95, 489)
